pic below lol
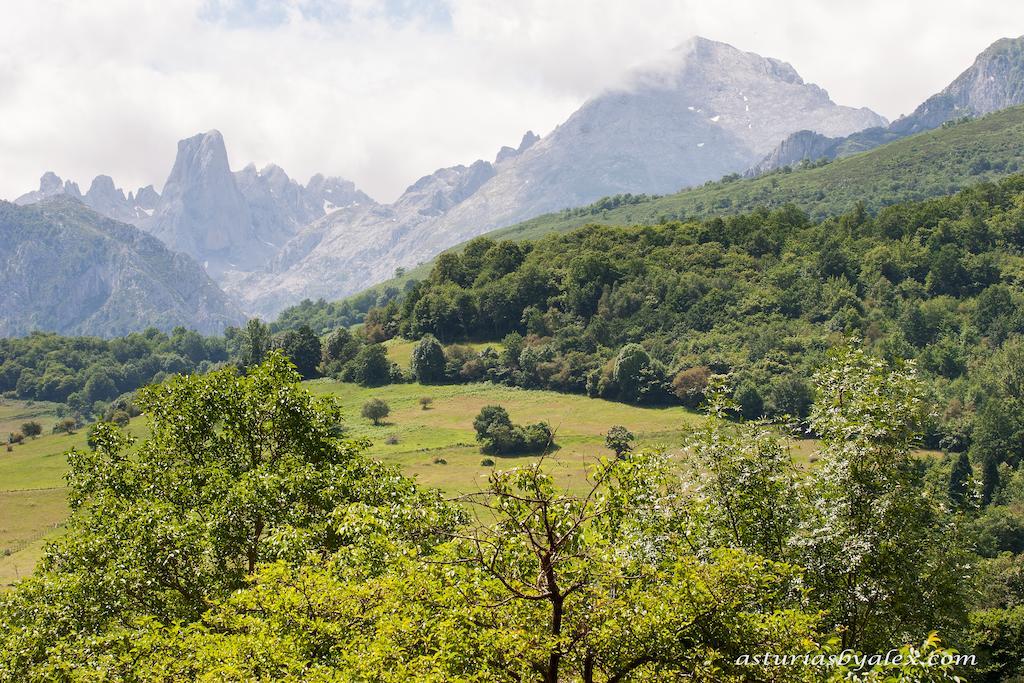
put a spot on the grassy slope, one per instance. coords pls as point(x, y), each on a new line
point(930, 164)
point(33, 493)
point(400, 350)
point(445, 431)
point(33, 499)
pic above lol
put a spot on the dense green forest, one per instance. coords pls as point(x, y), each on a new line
point(248, 539)
point(647, 314)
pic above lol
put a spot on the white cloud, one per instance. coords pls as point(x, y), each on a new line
point(383, 92)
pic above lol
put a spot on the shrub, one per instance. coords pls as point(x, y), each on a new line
point(425, 402)
point(487, 462)
point(749, 400)
point(639, 377)
point(689, 384)
point(498, 436)
point(376, 409)
point(68, 425)
point(32, 429)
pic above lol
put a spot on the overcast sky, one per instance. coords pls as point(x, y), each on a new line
point(384, 92)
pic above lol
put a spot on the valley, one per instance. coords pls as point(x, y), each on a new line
point(716, 364)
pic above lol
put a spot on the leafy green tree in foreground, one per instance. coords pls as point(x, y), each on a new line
point(239, 471)
point(746, 490)
point(599, 586)
point(880, 557)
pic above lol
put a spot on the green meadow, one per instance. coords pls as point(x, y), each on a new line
point(437, 445)
point(420, 439)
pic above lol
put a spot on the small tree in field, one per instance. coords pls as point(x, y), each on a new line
point(32, 429)
point(620, 440)
point(376, 409)
point(425, 402)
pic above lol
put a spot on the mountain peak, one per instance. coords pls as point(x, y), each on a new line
point(50, 185)
point(994, 81)
point(529, 140)
point(103, 185)
point(202, 212)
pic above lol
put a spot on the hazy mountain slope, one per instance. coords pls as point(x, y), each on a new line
point(232, 222)
point(994, 81)
point(930, 164)
point(280, 207)
point(67, 269)
point(711, 110)
point(339, 250)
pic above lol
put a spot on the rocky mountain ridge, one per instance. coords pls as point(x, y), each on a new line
point(229, 221)
point(715, 111)
point(993, 82)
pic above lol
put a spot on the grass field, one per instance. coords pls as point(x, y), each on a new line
point(445, 430)
point(33, 493)
point(33, 498)
point(15, 413)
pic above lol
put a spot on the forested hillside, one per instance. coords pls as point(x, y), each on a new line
point(647, 314)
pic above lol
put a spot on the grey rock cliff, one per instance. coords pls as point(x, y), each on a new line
point(800, 146)
point(203, 213)
point(50, 185)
